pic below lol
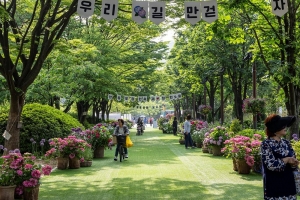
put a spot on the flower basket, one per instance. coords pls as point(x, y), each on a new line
point(31, 193)
point(254, 105)
point(242, 166)
point(62, 163)
point(7, 192)
point(204, 109)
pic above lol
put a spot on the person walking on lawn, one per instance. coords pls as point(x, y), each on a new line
point(187, 132)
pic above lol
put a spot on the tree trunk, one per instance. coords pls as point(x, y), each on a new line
point(16, 107)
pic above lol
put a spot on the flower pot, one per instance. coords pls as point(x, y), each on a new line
point(234, 164)
point(31, 193)
point(210, 150)
point(243, 167)
point(199, 144)
point(87, 163)
point(62, 163)
point(99, 152)
point(7, 192)
point(216, 150)
point(74, 163)
point(181, 141)
point(204, 149)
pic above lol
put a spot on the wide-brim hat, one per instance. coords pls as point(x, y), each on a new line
point(278, 123)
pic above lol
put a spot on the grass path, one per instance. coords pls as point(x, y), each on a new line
point(158, 168)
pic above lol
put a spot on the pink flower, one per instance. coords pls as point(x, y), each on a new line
point(72, 155)
point(28, 166)
point(47, 170)
point(20, 172)
point(36, 174)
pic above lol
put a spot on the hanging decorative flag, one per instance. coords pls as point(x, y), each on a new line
point(145, 98)
point(132, 98)
point(152, 98)
point(110, 96)
point(6, 135)
point(153, 107)
point(279, 7)
point(192, 12)
point(179, 96)
point(119, 98)
point(146, 107)
point(171, 97)
point(157, 98)
point(157, 11)
point(209, 11)
point(139, 11)
point(163, 98)
point(85, 8)
point(140, 98)
point(125, 98)
point(156, 106)
point(137, 107)
point(140, 107)
point(143, 107)
point(175, 96)
point(109, 9)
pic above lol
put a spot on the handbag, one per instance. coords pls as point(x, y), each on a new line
point(128, 142)
point(297, 181)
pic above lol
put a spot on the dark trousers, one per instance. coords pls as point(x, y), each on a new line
point(117, 150)
point(188, 140)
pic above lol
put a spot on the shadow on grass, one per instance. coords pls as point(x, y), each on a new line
point(156, 188)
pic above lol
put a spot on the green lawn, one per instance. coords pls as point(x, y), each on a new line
point(158, 168)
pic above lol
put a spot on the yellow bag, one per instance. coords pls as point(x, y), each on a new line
point(128, 142)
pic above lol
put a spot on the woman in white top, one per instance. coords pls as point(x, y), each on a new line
point(187, 132)
point(121, 129)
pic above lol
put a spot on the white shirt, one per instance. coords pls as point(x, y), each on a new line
point(187, 126)
point(121, 130)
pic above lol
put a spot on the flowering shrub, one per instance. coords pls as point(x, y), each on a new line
point(198, 136)
point(67, 147)
point(254, 105)
point(198, 125)
point(161, 121)
point(296, 144)
point(217, 136)
point(97, 136)
point(29, 175)
point(8, 170)
point(243, 147)
point(204, 109)
point(21, 171)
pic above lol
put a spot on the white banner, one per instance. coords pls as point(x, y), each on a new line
point(109, 9)
point(145, 98)
point(110, 96)
point(140, 98)
point(140, 11)
point(192, 12)
point(209, 11)
point(119, 98)
point(279, 7)
point(157, 11)
point(85, 8)
point(179, 96)
point(125, 98)
point(132, 98)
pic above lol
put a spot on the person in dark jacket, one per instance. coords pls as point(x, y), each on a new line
point(278, 160)
point(174, 125)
